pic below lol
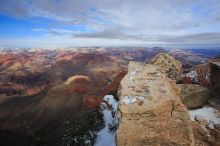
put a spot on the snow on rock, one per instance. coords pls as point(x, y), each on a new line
point(145, 111)
point(207, 113)
point(87, 141)
point(131, 79)
point(132, 99)
point(106, 137)
point(129, 100)
point(135, 71)
point(111, 101)
point(192, 74)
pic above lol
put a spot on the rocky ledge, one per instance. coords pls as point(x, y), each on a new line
point(150, 109)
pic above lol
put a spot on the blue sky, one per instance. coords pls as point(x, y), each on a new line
point(14, 27)
point(66, 23)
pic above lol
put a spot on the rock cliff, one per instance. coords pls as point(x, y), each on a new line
point(150, 110)
point(215, 75)
point(168, 64)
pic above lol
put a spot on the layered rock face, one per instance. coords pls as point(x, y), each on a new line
point(169, 64)
point(150, 110)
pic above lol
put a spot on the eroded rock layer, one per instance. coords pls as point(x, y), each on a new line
point(168, 64)
point(150, 110)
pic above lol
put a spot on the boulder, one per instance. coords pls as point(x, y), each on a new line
point(150, 110)
point(194, 96)
point(169, 64)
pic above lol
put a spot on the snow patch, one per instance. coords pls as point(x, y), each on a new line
point(106, 137)
point(111, 101)
point(87, 141)
point(135, 71)
point(192, 74)
point(129, 100)
point(207, 113)
point(132, 99)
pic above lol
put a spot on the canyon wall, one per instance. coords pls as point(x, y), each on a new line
point(215, 76)
point(150, 110)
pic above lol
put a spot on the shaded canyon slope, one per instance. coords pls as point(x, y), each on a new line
point(40, 89)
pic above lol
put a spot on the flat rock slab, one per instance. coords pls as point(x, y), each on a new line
point(150, 110)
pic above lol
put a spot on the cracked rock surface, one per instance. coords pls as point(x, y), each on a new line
point(168, 64)
point(150, 110)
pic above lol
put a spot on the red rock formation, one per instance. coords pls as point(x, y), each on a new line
point(77, 84)
point(203, 72)
point(90, 101)
point(112, 88)
point(94, 99)
point(187, 80)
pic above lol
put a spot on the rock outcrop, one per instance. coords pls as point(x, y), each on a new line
point(203, 74)
point(194, 96)
point(169, 64)
point(150, 110)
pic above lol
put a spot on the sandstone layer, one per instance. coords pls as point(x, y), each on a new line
point(169, 64)
point(150, 110)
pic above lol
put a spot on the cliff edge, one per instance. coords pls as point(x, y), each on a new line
point(150, 110)
point(168, 64)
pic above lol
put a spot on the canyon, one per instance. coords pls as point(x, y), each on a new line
point(53, 97)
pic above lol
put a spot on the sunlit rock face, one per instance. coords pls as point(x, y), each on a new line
point(168, 64)
point(150, 110)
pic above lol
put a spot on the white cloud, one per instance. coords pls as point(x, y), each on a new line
point(157, 21)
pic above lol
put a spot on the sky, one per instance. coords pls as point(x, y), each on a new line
point(72, 23)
